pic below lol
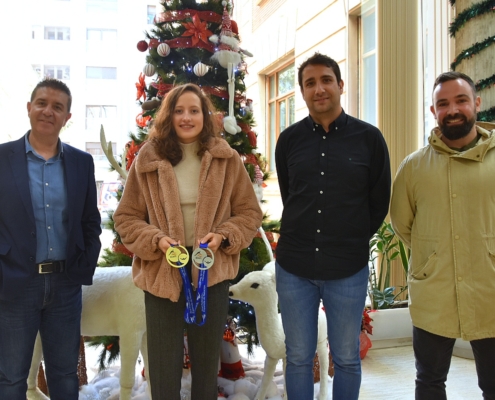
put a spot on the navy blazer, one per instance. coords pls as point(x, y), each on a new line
point(17, 224)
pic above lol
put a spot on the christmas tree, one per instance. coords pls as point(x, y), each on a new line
point(197, 42)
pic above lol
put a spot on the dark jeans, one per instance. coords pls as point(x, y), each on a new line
point(165, 332)
point(51, 304)
point(433, 354)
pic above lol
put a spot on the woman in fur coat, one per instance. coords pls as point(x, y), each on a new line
point(186, 187)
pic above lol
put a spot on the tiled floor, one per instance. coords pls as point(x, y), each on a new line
point(389, 374)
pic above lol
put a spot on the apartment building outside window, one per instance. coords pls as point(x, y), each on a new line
point(57, 33)
point(97, 115)
point(101, 72)
point(57, 71)
point(101, 34)
point(97, 6)
point(100, 39)
point(151, 14)
point(94, 148)
point(281, 106)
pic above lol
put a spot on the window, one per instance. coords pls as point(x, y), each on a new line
point(37, 69)
point(94, 148)
point(57, 33)
point(151, 14)
point(281, 106)
point(36, 32)
point(107, 35)
point(101, 72)
point(102, 40)
point(368, 66)
point(98, 6)
point(57, 71)
point(97, 115)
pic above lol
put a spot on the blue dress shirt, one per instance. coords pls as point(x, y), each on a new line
point(49, 199)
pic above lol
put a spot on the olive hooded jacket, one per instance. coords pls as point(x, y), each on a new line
point(443, 208)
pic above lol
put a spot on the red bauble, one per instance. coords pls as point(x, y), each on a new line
point(142, 45)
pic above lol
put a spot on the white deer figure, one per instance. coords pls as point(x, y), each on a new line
point(112, 306)
point(258, 289)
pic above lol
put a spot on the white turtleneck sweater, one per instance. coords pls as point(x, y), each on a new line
point(187, 175)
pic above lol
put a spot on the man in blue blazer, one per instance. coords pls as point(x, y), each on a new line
point(49, 246)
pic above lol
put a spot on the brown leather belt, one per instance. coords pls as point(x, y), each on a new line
point(48, 267)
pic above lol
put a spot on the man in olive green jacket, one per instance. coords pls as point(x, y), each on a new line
point(443, 208)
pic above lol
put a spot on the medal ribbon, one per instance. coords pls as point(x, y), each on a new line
point(203, 262)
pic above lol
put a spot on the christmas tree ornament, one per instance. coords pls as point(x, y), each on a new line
point(200, 69)
point(228, 56)
point(230, 358)
point(149, 70)
point(141, 87)
point(197, 30)
point(142, 45)
point(163, 49)
point(151, 104)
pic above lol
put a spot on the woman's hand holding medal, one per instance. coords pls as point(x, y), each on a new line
point(165, 243)
point(214, 241)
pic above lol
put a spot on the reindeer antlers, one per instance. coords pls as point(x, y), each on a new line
point(107, 149)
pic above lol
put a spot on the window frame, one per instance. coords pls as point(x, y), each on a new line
point(365, 110)
point(101, 118)
point(273, 108)
point(150, 17)
point(58, 31)
point(103, 71)
point(56, 70)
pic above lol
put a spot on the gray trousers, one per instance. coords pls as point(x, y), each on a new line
point(165, 331)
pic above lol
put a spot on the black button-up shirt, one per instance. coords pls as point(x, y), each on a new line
point(335, 188)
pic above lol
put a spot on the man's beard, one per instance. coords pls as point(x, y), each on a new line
point(457, 131)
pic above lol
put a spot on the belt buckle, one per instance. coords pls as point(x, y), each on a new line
point(40, 269)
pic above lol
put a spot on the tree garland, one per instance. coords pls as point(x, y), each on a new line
point(486, 115)
point(485, 83)
point(469, 13)
point(471, 51)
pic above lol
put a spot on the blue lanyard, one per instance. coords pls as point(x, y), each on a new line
point(201, 296)
point(202, 290)
point(177, 256)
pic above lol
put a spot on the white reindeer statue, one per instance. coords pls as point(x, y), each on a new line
point(258, 289)
point(112, 306)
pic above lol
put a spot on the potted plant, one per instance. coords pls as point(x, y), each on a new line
point(385, 247)
point(392, 324)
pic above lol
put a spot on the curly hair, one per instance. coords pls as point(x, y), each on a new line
point(163, 136)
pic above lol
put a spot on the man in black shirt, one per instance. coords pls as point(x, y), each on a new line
point(334, 177)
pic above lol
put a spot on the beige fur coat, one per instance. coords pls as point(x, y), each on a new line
point(150, 209)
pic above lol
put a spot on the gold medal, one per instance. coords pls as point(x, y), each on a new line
point(177, 256)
